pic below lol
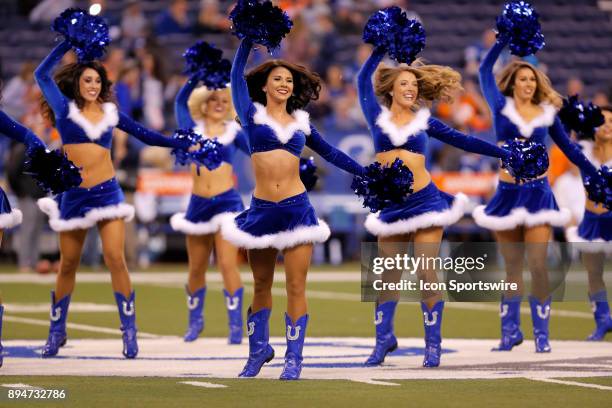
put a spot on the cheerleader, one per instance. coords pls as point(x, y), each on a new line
point(269, 104)
point(400, 127)
point(78, 103)
point(594, 234)
point(211, 114)
point(524, 107)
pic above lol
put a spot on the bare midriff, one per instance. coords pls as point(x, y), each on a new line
point(595, 208)
point(506, 177)
point(94, 161)
point(414, 161)
point(277, 175)
point(209, 183)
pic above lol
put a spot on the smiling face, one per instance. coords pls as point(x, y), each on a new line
point(279, 85)
point(217, 105)
point(604, 132)
point(90, 85)
point(405, 90)
point(525, 84)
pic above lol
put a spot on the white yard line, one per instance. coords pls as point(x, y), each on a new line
point(77, 307)
point(21, 386)
point(203, 384)
point(76, 326)
point(576, 383)
point(375, 382)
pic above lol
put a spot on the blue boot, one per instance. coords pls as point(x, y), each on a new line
point(1, 313)
point(57, 329)
point(510, 313)
point(195, 304)
point(601, 312)
point(540, 316)
point(234, 315)
point(127, 315)
point(260, 351)
point(432, 321)
point(296, 333)
point(385, 339)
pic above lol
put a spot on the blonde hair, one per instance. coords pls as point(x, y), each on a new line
point(200, 96)
point(544, 90)
point(433, 81)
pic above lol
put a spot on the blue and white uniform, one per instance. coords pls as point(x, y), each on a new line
point(205, 215)
point(82, 208)
point(531, 203)
point(429, 206)
point(292, 221)
point(11, 217)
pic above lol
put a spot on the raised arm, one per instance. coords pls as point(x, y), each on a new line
point(48, 87)
point(181, 109)
point(462, 141)
point(242, 142)
point(18, 132)
point(488, 86)
point(367, 97)
point(571, 150)
point(148, 136)
point(331, 154)
point(240, 90)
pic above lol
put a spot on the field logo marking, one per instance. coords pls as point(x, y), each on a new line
point(55, 314)
point(250, 328)
point(232, 302)
point(296, 335)
point(433, 321)
point(192, 302)
point(379, 318)
point(543, 312)
point(504, 311)
point(128, 308)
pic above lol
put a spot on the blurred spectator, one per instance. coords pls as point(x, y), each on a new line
point(15, 90)
point(476, 52)
point(133, 23)
point(468, 111)
point(347, 20)
point(403, 4)
point(46, 11)
point(211, 19)
point(153, 92)
point(352, 67)
point(128, 90)
point(568, 193)
point(114, 62)
point(310, 15)
point(601, 98)
point(174, 20)
point(574, 86)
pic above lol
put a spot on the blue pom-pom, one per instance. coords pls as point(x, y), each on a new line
point(382, 186)
point(205, 62)
point(527, 161)
point(390, 29)
point(189, 138)
point(308, 172)
point(519, 24)
point(262, 23)
point(208, 155)
point(87, 34)
point(582, 118)
point(599, 188)
point(52, 170)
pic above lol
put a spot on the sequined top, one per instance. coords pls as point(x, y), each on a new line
point(233, 138)
point(413, 136)
point(75, 128)
point(266, 134)
point(18, 132)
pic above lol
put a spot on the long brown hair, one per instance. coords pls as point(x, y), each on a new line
point(544, 90)
point(306, 84)
point(434, 82)
point(67, 79)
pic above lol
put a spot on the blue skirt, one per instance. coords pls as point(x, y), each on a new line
point(266, 224)
point(8, 217)
point(82, 208)
point(594, 234)
point(529, 204)
point(428, 207)
point(206, 215)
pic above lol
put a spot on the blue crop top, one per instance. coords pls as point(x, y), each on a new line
point(413, 136)
point(18, 132)
point(265, 134)
point(75, 128)
point(231, 139)
point(510, 125)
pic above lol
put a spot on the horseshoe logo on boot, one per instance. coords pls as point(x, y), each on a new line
point(192, 302)
point(433, 321)
point(250, 328)
point(543, 311)
point(128, 308)
point(232, 302)
point(504, 311)
point(379, 318)
point(56, 314)
point(296, 335)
